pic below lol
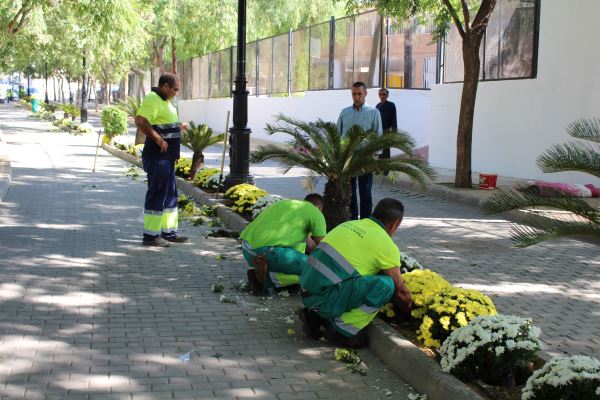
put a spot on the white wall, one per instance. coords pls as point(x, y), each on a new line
point(517, 120)
point(412, 105)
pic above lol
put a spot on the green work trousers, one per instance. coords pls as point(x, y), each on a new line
point(285, 265)
point(351, 304)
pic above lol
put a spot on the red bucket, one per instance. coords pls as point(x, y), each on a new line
point(487, 181)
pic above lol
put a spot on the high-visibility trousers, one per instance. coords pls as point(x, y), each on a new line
point(351, 305)
point(285, 265)
point(160, 207)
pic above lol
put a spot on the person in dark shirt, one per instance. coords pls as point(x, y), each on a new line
point(387, 109)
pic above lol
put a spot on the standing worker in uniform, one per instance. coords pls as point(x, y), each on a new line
point(352, 273)
point(389, 121)
point(367, 118)
point(275, 244)
point(157, 119)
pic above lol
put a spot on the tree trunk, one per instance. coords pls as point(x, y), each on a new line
point(337, 203)
point(124, 85)
point(197, 163)
point(375, 46)
point(140, 138)
point(470, 46)
point(408, 50)
point(61, 94)
point(107, 91)
point(93, 85)
point(173, 55)
point(69, 89)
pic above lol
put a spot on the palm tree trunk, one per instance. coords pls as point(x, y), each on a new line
point(337, 203)
point(197, 163)
point(140, 138)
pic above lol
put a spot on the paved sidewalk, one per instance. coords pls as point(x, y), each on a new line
point(88, 313)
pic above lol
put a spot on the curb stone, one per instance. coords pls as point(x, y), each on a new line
point(403, 357)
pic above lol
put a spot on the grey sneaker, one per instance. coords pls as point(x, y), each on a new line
point(156, 242)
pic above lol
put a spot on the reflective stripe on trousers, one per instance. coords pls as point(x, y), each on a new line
point(160, 207)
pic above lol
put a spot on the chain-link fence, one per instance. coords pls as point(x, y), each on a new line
point(370, 48)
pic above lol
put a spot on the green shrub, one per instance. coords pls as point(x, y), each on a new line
point(50, 107)
point(114, 121)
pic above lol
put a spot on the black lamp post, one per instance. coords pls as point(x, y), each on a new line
point(46, 74)
point(84, 110)
point(239, 154)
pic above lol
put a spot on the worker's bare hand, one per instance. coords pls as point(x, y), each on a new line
point(404, 301)
point(183, 126)
point(164, 146)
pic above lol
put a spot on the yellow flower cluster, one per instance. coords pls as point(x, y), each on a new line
point(244, 196)
point(451, 308)
point(203, 175)
point(388, 310)
point(182, 167)
point(423, 285)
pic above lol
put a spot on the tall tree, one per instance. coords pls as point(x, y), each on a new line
point(470, 17)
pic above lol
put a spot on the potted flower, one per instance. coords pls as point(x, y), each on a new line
point(490, 348)
point(576, 377)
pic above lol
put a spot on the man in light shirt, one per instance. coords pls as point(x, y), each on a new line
point(368, 118)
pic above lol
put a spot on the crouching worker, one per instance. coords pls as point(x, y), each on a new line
point(351, 274)
point(274, 244)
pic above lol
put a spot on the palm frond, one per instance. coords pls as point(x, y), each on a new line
point(571, 156)
point(289, 157)
point(504, 200)
point(295, 128)
point(131, 105)
point(199, 137)
point(586, 129)
point(536, 231)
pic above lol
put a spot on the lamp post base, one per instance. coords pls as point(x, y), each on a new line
point(239, 154)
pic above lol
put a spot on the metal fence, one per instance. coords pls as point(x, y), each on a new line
point(509, 48)
point(368, 48)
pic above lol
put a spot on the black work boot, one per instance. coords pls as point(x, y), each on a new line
point(358, 341)
point(257, 288)
point(311, 323)
point(176, 239)
point(156, 242)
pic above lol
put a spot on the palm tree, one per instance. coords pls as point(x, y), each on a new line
point(320, 147)
point(584, 219)
point(131, 105)
point(197, 138)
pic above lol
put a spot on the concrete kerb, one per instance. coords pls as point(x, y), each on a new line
point(402, 356)
point(5, 170)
